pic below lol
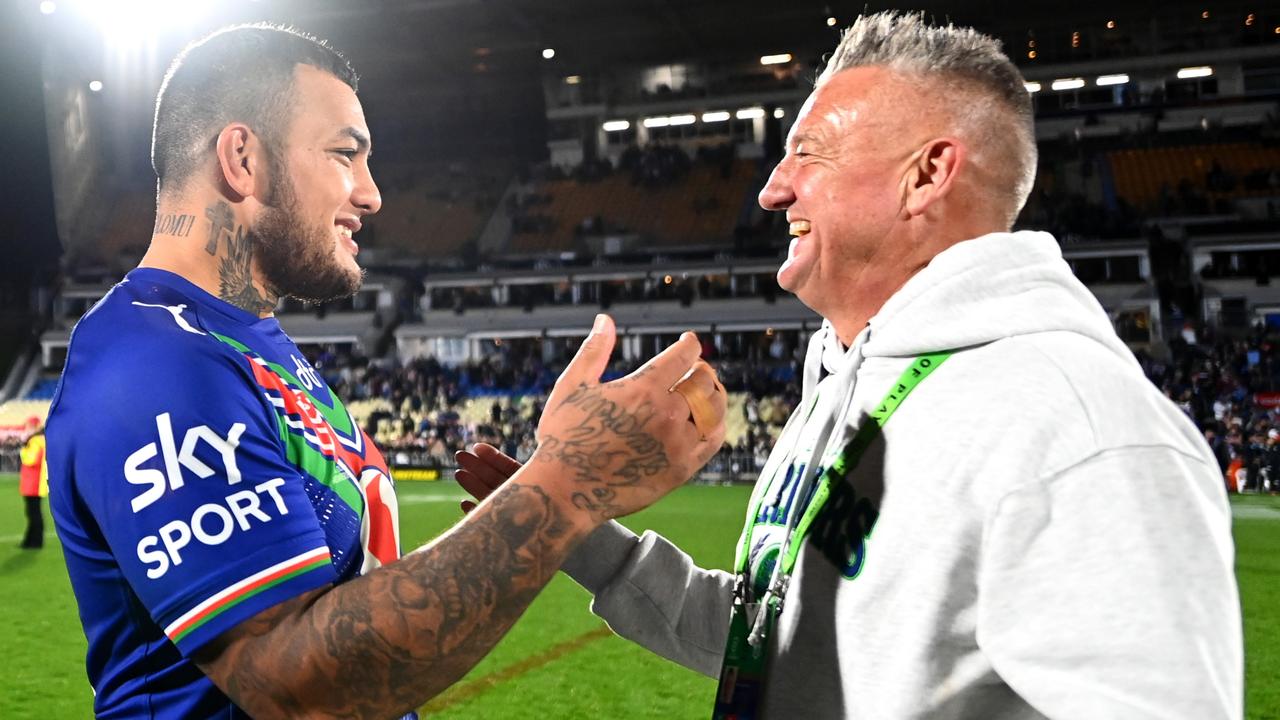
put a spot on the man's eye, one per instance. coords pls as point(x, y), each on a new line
point(348, 154)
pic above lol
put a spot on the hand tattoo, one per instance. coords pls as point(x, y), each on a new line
point(583, 449)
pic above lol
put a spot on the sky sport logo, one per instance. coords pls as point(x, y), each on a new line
point(210, 524)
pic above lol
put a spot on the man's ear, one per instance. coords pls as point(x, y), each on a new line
point(932, 173)
point(241, 165)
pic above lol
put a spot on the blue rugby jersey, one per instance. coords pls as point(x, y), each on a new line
point(201, 472)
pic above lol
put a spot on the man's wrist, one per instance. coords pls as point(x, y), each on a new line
point(557, 481)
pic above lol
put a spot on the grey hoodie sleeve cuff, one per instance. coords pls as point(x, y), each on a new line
point(595, 562)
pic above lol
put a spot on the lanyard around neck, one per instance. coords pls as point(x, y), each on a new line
point(844, 463)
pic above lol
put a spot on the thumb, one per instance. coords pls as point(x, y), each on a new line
point(593, 355)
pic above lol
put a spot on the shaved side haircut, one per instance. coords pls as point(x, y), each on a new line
point(985, 93)
point(238, 74)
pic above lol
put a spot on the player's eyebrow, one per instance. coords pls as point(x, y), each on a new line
point(362, 139)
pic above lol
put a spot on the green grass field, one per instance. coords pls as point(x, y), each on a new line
point(559, 656)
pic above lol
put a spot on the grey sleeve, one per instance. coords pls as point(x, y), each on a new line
point(1107, 590)
point(651, 593)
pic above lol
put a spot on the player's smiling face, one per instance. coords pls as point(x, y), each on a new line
point(840, 184)
point(321, 188)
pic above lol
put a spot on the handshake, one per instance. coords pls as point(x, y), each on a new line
point(616, 447)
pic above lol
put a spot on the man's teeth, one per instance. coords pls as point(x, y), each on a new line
point(346, 231)
point(800, 227)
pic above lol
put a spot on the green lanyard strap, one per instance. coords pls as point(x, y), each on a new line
point(845, 462)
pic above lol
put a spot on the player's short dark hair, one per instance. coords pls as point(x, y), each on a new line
point(238, 74)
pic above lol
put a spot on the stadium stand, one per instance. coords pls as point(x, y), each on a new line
point(692, 203)
point(1195, 179)
point(433, 210)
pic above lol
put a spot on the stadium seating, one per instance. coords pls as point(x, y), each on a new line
point(700, 209)
point(1142, 175)
point(433, 211)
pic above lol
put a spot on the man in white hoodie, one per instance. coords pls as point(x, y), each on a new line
point(982, 508)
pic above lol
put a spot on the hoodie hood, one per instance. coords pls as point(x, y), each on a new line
point(992, 287)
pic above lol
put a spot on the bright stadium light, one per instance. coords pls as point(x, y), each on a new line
point(682, 119)
point(548, 53)
point(616, 125)
point(657, 122)
point(779, 113)
point(48, 7)
point(1032, 87)
point(778, 59)
point(1118, 79)
point(95, 86)
point(750, 113)
point(1187, 73)
point(715, 116)
point(129, 22)
point(1067, 84)
point(831, 22)
point(573, 80)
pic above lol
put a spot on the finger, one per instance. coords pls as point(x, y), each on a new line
point(671, 364)
point(498, 460)
point(705, 397)
point(483, 471)
point(593, 356)
point(474, 486)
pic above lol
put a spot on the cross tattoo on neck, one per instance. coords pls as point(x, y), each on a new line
point(220, 220)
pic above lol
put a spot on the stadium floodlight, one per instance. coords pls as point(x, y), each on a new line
point(1200, 71)
point(778, 59)
point(573, 80)
point(1032, 87)
point(95, 86)
point(750, 113)
point(548, 53)
point(682, 120)
point(616, 125)
point(1118, 79)
point(715, 116)
point(1067, 84)
point(779, 113)
point(654, 122)
point(831, 22)
point(48, 7)
point(130, 22)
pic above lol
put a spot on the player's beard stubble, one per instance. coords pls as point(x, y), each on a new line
point(297, 257)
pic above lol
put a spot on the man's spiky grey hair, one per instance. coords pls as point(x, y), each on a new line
point(965, 60)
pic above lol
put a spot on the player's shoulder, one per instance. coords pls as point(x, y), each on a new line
point(147, 336)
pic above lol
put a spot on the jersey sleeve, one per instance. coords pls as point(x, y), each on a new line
point(182, 464)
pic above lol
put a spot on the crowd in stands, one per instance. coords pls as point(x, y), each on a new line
point(422, 412)
point(1229, 388)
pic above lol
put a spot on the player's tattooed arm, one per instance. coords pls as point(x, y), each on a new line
point(235, 266)
point(382, 645)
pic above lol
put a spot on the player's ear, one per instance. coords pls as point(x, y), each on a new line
point(241, 163)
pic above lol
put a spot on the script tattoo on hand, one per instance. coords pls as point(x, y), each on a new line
point(235, 268)
point(597, 460)
point(385, 643)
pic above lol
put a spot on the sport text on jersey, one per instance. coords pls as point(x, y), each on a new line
point(211, 523)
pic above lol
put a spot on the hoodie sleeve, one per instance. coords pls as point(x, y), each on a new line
point(1107, 591)
point(650, 592)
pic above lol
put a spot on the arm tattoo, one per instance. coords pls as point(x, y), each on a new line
point(583, 449)
point(175, 224)
point(235, 274)
point(385, 643)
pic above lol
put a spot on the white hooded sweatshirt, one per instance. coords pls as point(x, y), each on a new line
point(1038, 532)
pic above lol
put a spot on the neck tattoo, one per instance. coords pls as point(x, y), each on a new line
point(235, 274)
